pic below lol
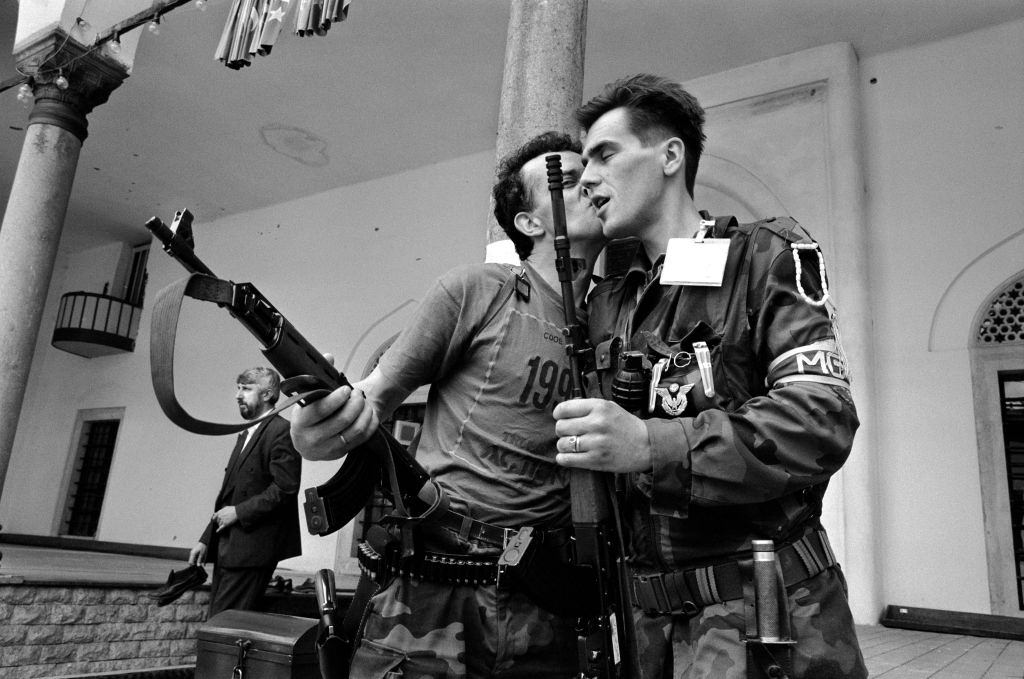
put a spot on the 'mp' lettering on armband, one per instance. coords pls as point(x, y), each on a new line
point(821, 362)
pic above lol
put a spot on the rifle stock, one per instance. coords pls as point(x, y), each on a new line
point(606, 643)
point(330, 506)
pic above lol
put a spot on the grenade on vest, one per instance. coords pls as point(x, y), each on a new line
point(632, 382)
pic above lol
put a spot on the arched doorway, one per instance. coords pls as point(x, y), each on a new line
point(997, 374)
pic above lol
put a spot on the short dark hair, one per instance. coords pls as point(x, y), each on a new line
point(658, 108)
point(265, 377)
point(511, 196)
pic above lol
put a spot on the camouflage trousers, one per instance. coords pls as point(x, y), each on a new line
point(710, 645)
point(423, 629)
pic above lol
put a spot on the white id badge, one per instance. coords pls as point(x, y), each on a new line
point(691, 261)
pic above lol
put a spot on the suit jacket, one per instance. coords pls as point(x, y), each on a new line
point(262, 482)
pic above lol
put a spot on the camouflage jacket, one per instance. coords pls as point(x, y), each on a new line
point(748, 453)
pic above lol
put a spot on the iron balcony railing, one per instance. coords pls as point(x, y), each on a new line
point(90, 324)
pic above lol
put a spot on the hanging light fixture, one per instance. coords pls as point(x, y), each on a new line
point(25, 95)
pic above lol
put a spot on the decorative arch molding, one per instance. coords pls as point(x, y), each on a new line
point(363, 356)
point(722, 180)
point(367, 348)
point(990, 270)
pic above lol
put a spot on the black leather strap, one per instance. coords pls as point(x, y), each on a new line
point(472, 529)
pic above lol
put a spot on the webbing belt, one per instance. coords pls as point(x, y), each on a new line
point(688, 591)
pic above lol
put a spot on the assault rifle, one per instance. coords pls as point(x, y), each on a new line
point(379, 462)
point(606, 642)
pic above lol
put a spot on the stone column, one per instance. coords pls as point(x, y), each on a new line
point(542, 84)
point(68, 82)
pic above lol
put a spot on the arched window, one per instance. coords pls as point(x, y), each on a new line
point(1004, 321)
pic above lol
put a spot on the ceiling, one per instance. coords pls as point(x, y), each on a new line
point(401, 84)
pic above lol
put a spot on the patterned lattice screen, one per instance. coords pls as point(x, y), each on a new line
point(1004, 321)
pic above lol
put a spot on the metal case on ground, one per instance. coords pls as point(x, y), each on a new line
point(261, 645)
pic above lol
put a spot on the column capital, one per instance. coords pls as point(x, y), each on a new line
point(68, 80)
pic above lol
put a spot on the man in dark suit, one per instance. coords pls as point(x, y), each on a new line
point(255, 522)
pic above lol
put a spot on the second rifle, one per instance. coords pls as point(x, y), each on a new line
point(606, 642)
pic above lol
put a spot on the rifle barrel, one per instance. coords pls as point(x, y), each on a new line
point(177, 248)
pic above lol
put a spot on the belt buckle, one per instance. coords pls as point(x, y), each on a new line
point(660, 593)
point(660, 602)
point(651, 594)
point(515, 544)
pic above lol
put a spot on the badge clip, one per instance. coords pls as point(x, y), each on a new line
point(656, 371)
point(705, 224)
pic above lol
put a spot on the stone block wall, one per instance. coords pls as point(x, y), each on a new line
point(50, 631)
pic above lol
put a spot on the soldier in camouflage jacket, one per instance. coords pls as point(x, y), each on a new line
point(748, 415)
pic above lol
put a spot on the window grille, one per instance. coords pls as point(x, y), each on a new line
point(1004, 321)
point(88, 482)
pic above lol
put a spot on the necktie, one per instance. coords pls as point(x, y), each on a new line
point(237, 452)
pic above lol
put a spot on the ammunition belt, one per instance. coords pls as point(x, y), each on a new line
point(467, 569)
point(688, 591)
point(534, 562)
point(453, 569)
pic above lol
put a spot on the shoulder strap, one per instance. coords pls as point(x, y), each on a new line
point(785, 228)
point(516, 282)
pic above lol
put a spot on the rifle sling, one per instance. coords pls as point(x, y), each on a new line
point(163, 332)
point(343, 495)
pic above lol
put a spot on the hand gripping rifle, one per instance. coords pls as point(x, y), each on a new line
point(606, 642)
point(379, 462)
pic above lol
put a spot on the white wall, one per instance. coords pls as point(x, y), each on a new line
point(333, 263)
point(944, 135)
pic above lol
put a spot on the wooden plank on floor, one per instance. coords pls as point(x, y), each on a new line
point(913, 654)
point(1009, 664)
point(897, 640)
point(871, 635)
point(937, 660)
point(880, 643)
point(976, 662)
